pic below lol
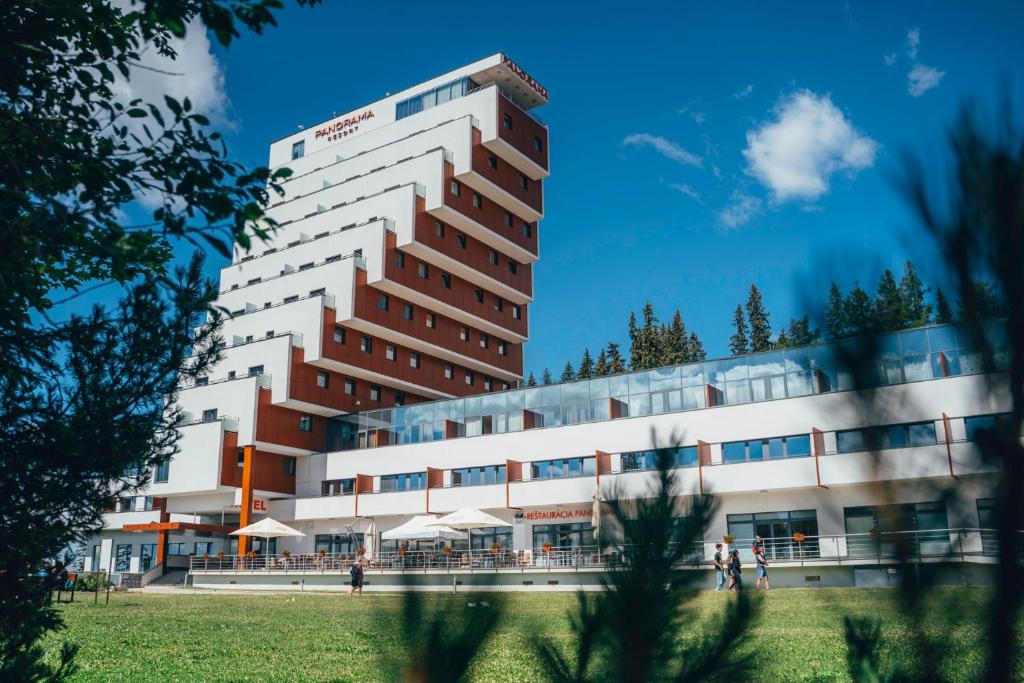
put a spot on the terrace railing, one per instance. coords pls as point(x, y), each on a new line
point(883, 547)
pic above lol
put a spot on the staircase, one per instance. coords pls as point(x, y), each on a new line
point(172, 578)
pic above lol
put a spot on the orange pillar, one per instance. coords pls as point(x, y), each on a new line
point(818, 446)
point(161, 546)
point(703, 458)
point(245, 516)
point(949, 442)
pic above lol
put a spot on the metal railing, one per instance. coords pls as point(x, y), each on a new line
point(884, 547)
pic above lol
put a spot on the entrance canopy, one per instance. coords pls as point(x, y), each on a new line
point(422, 527)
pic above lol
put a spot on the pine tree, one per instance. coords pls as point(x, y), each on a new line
point(634, 341)
point(798, 333)
point(760, 327)
point(674, 342)
point(646, 351)
point(890, 310)
point(545, 377)
point(943, 311)
point(532, 381)
point(984, 301)
point(738, 342)
point(917, 311)
point(568, 374)
point(586, 370)
point(835, 314)
point(616, 364)
point(695, 349)
point(858, 315)
point(601, 366)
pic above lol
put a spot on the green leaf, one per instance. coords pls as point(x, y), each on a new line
point(137, 113)
point(173, 105)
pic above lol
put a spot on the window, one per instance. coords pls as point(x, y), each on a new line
point(298, 149)
point(407, 311)
point(366, 344)
point(289, 466)
point(449, 371)
point(502, 348)
point(516, 313)
point(777, 530)
point(413, 481)
point(423, 270)
point(869, 527)
point(492, 256)
point(399, 398)
point(306, 266)
point(350, 387)
point(478, 201)
point(123, 557)
point(231, 374)
point(565, 467)
point(390, 352)
point(889, 436)
point(176, 549)
point(254, 281)
point(269, 334)
point(985, 423)
point(469, 377)
point(576, 535)
point(446, 280)
point(338, 487)
point(248, 339)
point(492, 160)
point(439, 229)
point(203, 548)
point(255, 370)
point(507, 121)
point(202, 381)
point(456, 188)
point(488, 383)
point(400, 259)
point(509, 219)
point(512, 266)
point(414, 360)
point(499, 304)
point(163, 471)
point(463, 333)
point(479, 476)
point(305, 423)
point(462, 240)
point(433, 97)
point(339, 335)
point(291, 299)
point(375, 392)
point(527, 231)
point(524, 182)
point(240, 458)
point(431, 321)
point(317, 292)
point(479, 295)
point(484, 341)
point(681, 456)
point(323, 379)
point(383, 302)
point(339, 544)
point(538, 144)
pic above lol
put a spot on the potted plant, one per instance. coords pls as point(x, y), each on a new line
point(401, 552)
point(322, 553)
point(447, 550)
point(727, 541)
point(220, 555)
point(495, 548)
point(546, 548)
point(286, 553)
point(361, 551)
point(799, 537)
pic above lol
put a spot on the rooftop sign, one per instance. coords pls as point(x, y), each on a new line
point(527, 78)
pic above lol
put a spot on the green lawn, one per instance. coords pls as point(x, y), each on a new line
point(797, 635)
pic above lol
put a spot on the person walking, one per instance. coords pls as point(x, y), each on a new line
point(720, 572)
point(356, 573)
point(762, 563)
point(735, 578)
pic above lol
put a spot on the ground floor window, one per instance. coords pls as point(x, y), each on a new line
point(484, 539)
point(777, 529)
point(563, 535)
point(339, 544)
point(880, 529)
point(988, 522)
point(123, 557)
point(262, 546)
point(176, 549)
point(96, 558)
point(203, 547)
point(422, 545)
point(148, 556)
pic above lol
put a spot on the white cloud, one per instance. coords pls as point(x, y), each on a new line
point(195, 73)
point(664, 147)
point(891, 58)
point(921, 79)
point(807, 140)
point(913, 42)
point(744, 92)
point(741, 209)
point(685, 189)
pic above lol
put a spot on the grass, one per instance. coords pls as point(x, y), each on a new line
point(797, 636)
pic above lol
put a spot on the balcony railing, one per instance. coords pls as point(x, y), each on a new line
point(950, 545)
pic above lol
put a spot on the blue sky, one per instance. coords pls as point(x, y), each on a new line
point(693, 150)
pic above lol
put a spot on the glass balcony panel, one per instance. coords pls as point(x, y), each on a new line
point(691, 375)
point(888, 345)
point(760, 389)
point(798, 446)
point(516, 400)
point(694, 398)
point(890, 371)
point(664, 378)
point(675, 401)
point(737, 392)
point(473, 406)
point(600, 409)
point(797, 359)
point(515, 421)
point(552, 395)
point(914, 342)
point(755, 450)
point(734, 452)
point(942, 338)
point(917, 368)
point(799, 384)
point(952, 363)
point(495, 403)
point(736, 368)
point(535, 397)
point(639, 405)
point(618, 385)
point(638, 383)
point(775, 448)
point(576, 392)
point(765, 364)
point(599, 388)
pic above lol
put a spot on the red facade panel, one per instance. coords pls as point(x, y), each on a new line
point(506, 176)
point(524, 133)
point(490, 215)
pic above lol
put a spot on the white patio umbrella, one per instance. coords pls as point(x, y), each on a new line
point(368, 539)
point(469, 518)
point(595, 513)
point(267, 528)
point(420, 527)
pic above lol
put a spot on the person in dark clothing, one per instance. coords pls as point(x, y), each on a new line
point(735, 578)
point(357, 578)
point(720, 571)
point(762, 563)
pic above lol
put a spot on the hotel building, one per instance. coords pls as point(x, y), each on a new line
point(372, 373)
